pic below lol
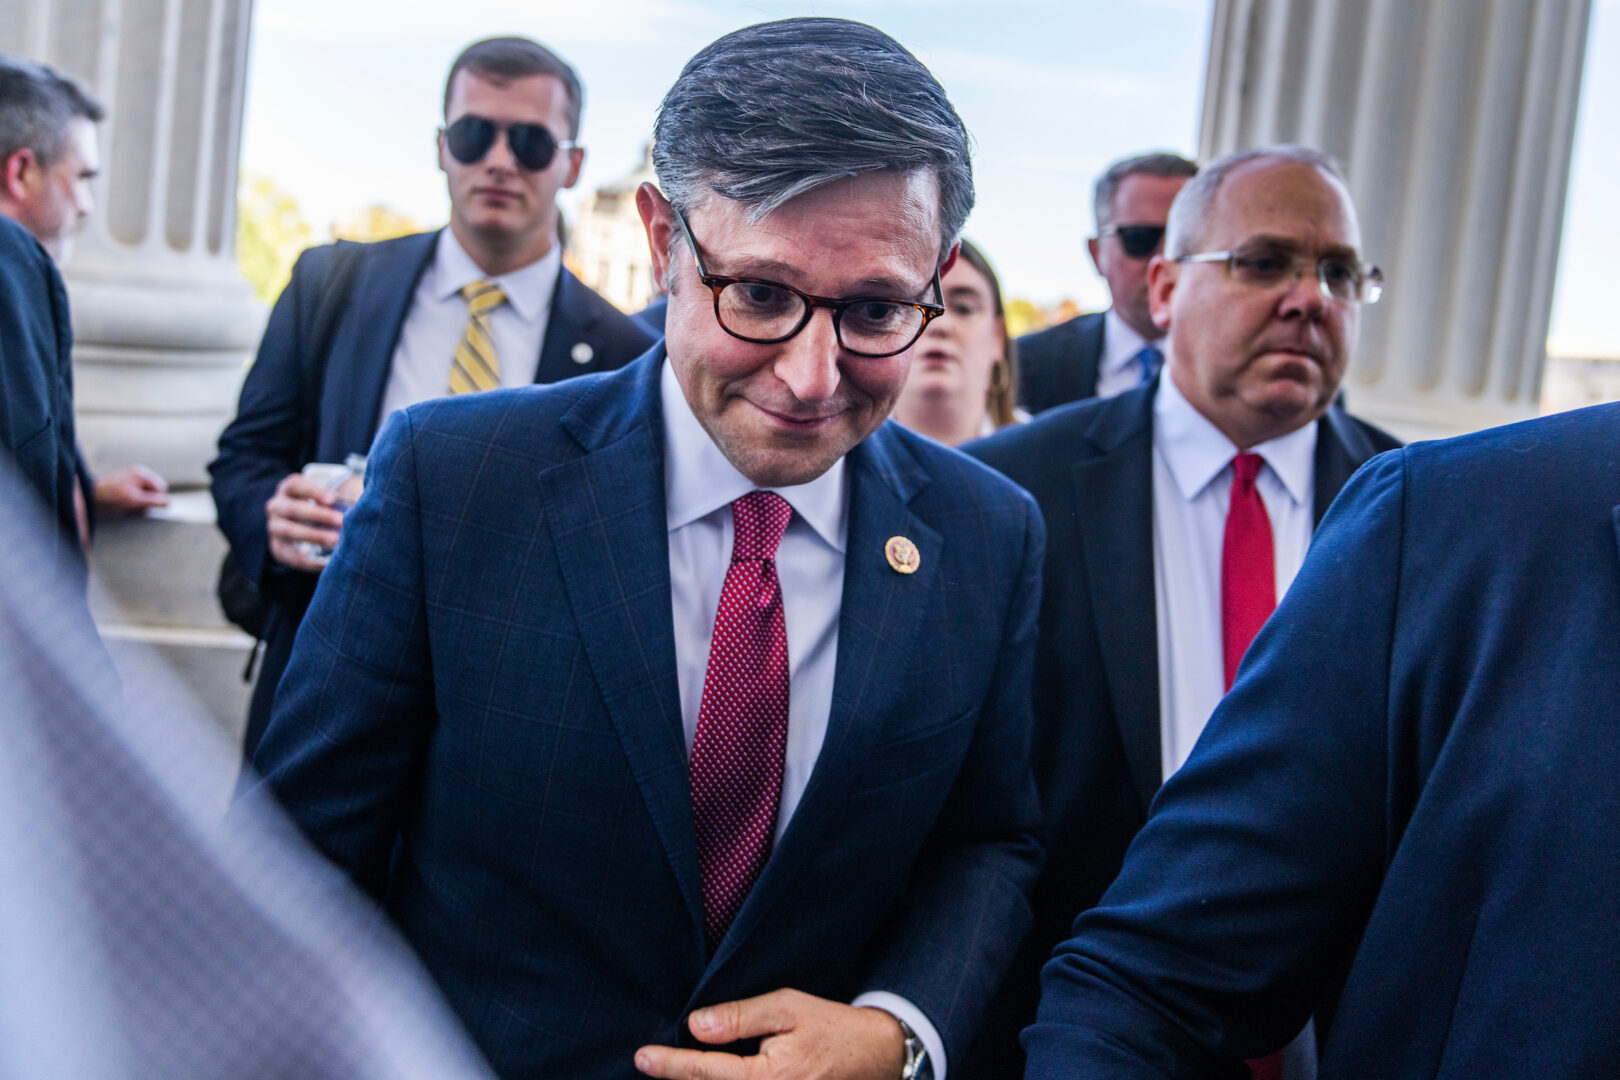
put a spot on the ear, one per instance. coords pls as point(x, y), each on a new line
point(950, 260)
point(576, 161)
point(17, 174)
point(444, 151)
point(1093, 248)
point(1161, 283)
point(659, 219)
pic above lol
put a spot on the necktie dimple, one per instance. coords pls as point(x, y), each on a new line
point(476, 367)
point(1150, 358)
point(741, 740)
point(1248, 565)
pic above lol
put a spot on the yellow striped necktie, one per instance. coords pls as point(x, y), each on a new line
point(476, 366)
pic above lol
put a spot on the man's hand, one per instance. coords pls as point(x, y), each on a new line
point(134, 489)
point(804, 1038)
point(301, 510)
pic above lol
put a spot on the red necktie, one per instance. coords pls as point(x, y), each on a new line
point(1248, 595)
point(736, 770)
point(1248, 567)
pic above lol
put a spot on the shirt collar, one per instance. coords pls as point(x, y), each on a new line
point(1197, 452)
point(698, 479)
point(528, 289)
point(1120, 343)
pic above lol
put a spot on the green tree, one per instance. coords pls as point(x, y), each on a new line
point(270, 235)
point(376, 222)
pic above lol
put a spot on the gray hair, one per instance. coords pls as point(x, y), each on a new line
point(1161, 164)
point(1189, 214)
point(774, 110)
point(36, 105)
point(502, 59)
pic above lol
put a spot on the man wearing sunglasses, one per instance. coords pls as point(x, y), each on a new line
point(681, 714)
point(361, 331)
point(1181, 510)
point(1108, 352)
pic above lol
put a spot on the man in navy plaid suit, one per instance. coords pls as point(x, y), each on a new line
point(624, 833)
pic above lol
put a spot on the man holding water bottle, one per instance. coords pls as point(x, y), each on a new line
point(365, 329)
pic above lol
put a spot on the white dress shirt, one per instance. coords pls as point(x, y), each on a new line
point(1118, 370)
point(700, 485)
point(420, 369)
point(1192, 486)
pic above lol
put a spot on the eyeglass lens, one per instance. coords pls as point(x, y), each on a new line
point(470, 138)
point(1341, 278)
point(1140, 241)
point(766, 313)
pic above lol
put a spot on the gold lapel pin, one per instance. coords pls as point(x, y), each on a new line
point(902, 555)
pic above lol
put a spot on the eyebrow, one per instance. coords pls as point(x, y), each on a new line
point(1291, 244)
point(782, 273)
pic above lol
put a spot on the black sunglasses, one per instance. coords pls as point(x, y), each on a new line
point(1139, 241)
point(534, 146)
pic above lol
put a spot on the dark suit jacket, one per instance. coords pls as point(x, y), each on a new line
point(36, 381)
point(1413, 781)
point(1060, 364)
point(1097, 726)
point(264, 443)
point(486, 679)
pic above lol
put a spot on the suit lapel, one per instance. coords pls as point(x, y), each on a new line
point(880, 619)
point(568, 333)
point(1341, 449)
point(1113, 489)
point(363, 348)
point(606, 514)
point(1087, 366)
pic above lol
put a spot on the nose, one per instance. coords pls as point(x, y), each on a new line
point(1304, 296)
point(808, 362)
point(499, 155)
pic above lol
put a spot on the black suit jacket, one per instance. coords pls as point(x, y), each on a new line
point(1060, 364)
point(264, 443)
point(1096, 748)
point(36, 380)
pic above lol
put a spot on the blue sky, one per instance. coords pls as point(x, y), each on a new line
point(343, 100)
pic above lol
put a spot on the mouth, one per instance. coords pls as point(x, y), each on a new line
point(794, 424)
point(498, 195)
point(935, 357)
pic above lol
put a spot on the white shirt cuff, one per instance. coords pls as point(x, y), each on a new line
point(901, 1009)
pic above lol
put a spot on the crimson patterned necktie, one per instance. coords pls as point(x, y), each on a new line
point(1248, 595)
point(736, 769)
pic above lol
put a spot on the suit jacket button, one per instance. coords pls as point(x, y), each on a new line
point(582, 352)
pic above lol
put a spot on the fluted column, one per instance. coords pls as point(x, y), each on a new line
point(1454, 120)
point(163, 321)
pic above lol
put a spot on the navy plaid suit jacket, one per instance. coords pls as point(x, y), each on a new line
point(480, 723)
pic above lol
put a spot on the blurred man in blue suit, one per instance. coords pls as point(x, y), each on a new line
point(362, 330)
point(1406, 803)
point(688, 706)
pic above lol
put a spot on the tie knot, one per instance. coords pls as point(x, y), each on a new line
point(760, 517)
point(483, 297)
point(1150, 358)
point(1245, 467)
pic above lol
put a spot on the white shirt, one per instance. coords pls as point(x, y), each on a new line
point(420, 369)
point(1118, 370)
point(1192, 486)
point(700, 485)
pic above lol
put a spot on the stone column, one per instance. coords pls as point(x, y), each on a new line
point(163, 322)
point(1454, 120)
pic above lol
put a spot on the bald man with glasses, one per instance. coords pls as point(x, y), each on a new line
point(1180, 512)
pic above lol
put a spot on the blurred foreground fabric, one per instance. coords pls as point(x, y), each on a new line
point(142, 934)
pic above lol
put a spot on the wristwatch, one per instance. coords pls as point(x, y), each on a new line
point(917, 1066)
